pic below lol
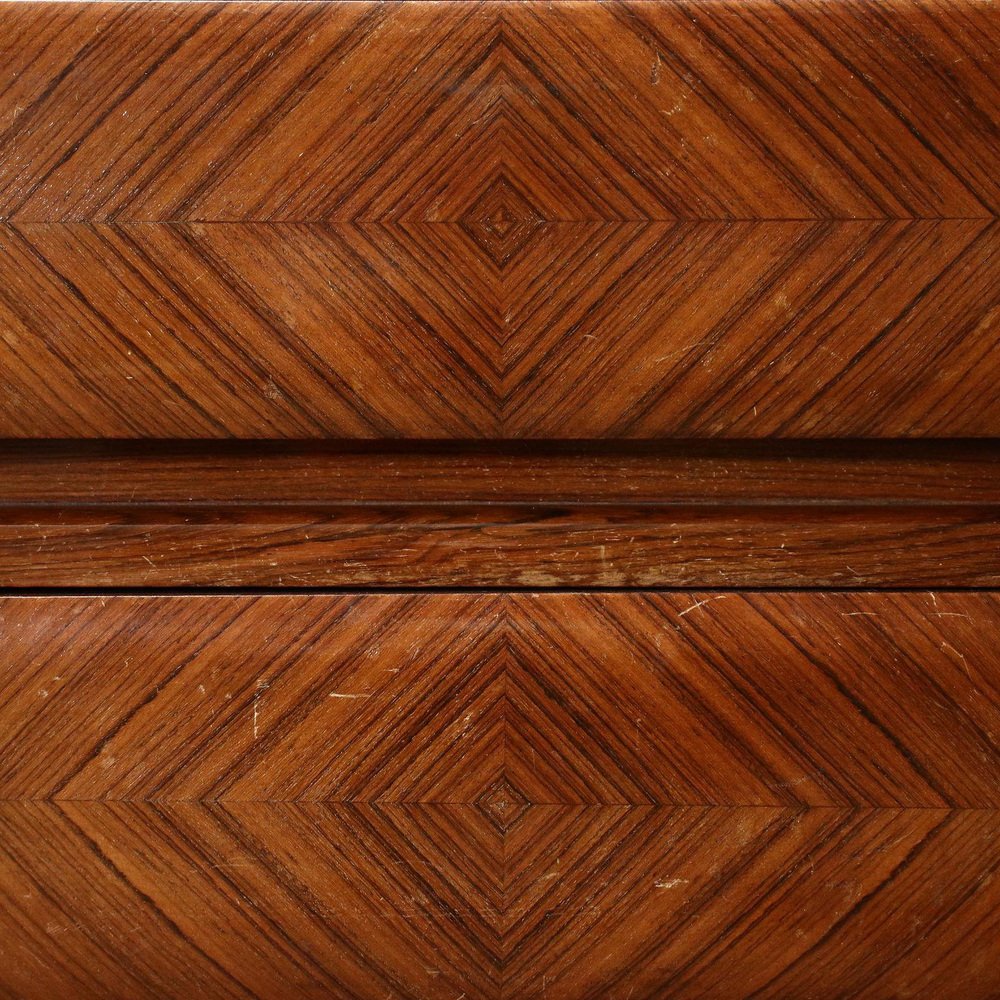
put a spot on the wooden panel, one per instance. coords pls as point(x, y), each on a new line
point(128, 901)
point(661, 295)
point(644, 330)
point(340, 693)
point(692, 699)
point(488, 803)
point(295, 332)
point(502, 546)
point(409, 112)
point(261, 900)
point(500, 220)
point(734, 903)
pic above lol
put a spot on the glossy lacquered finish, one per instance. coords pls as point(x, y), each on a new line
point(482, 220)
point(504, 795)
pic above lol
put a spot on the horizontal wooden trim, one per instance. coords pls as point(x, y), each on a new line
point(498, 547)
point(123, 474)
point(724, 514)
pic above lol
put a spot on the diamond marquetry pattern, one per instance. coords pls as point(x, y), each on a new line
point(555, 795)
point(499, 701)
point(487, 220)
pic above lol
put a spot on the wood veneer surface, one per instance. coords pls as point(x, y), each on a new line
point(725, 514)
point(502, 547)
point(483, 220)
point(730, 272)
point(281, 474)
point(504, 795)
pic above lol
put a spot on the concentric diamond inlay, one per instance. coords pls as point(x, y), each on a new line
point(502, 221)
point(503, 804)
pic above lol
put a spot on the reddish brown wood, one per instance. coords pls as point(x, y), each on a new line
point(737, 903)
point(409, 112)
point(500, 220)
point(129, 475)
point(687, 699)
point(488, 803)
point(729, 271)
point(165, 900)
point(502, 546)
point(725, 514)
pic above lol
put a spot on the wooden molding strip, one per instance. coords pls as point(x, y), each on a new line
point(123, 474)
point(501, 547)
point(587, 515)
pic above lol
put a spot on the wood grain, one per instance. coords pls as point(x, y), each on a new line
point(270, 900)
point(500, 220)
point(801, 699)
point(490, 803)
point(740, 903)
point(688, 514)
point(501, 547)
point(128, 475)
point(410, 112)
point(687, 313)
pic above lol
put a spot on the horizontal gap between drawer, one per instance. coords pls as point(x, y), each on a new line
point(98, 592)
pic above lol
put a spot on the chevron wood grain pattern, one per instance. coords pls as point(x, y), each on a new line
point(167, 900)
point(716, 699)
point(538, 795)
point(500, 220)
point(408, 112)
point(373, 320)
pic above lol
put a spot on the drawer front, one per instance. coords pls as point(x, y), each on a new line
point(463, 220)
point(562, 795)
point(432, 306)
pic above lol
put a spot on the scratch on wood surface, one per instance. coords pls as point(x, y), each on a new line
point(262, 685)
point(699, 604)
